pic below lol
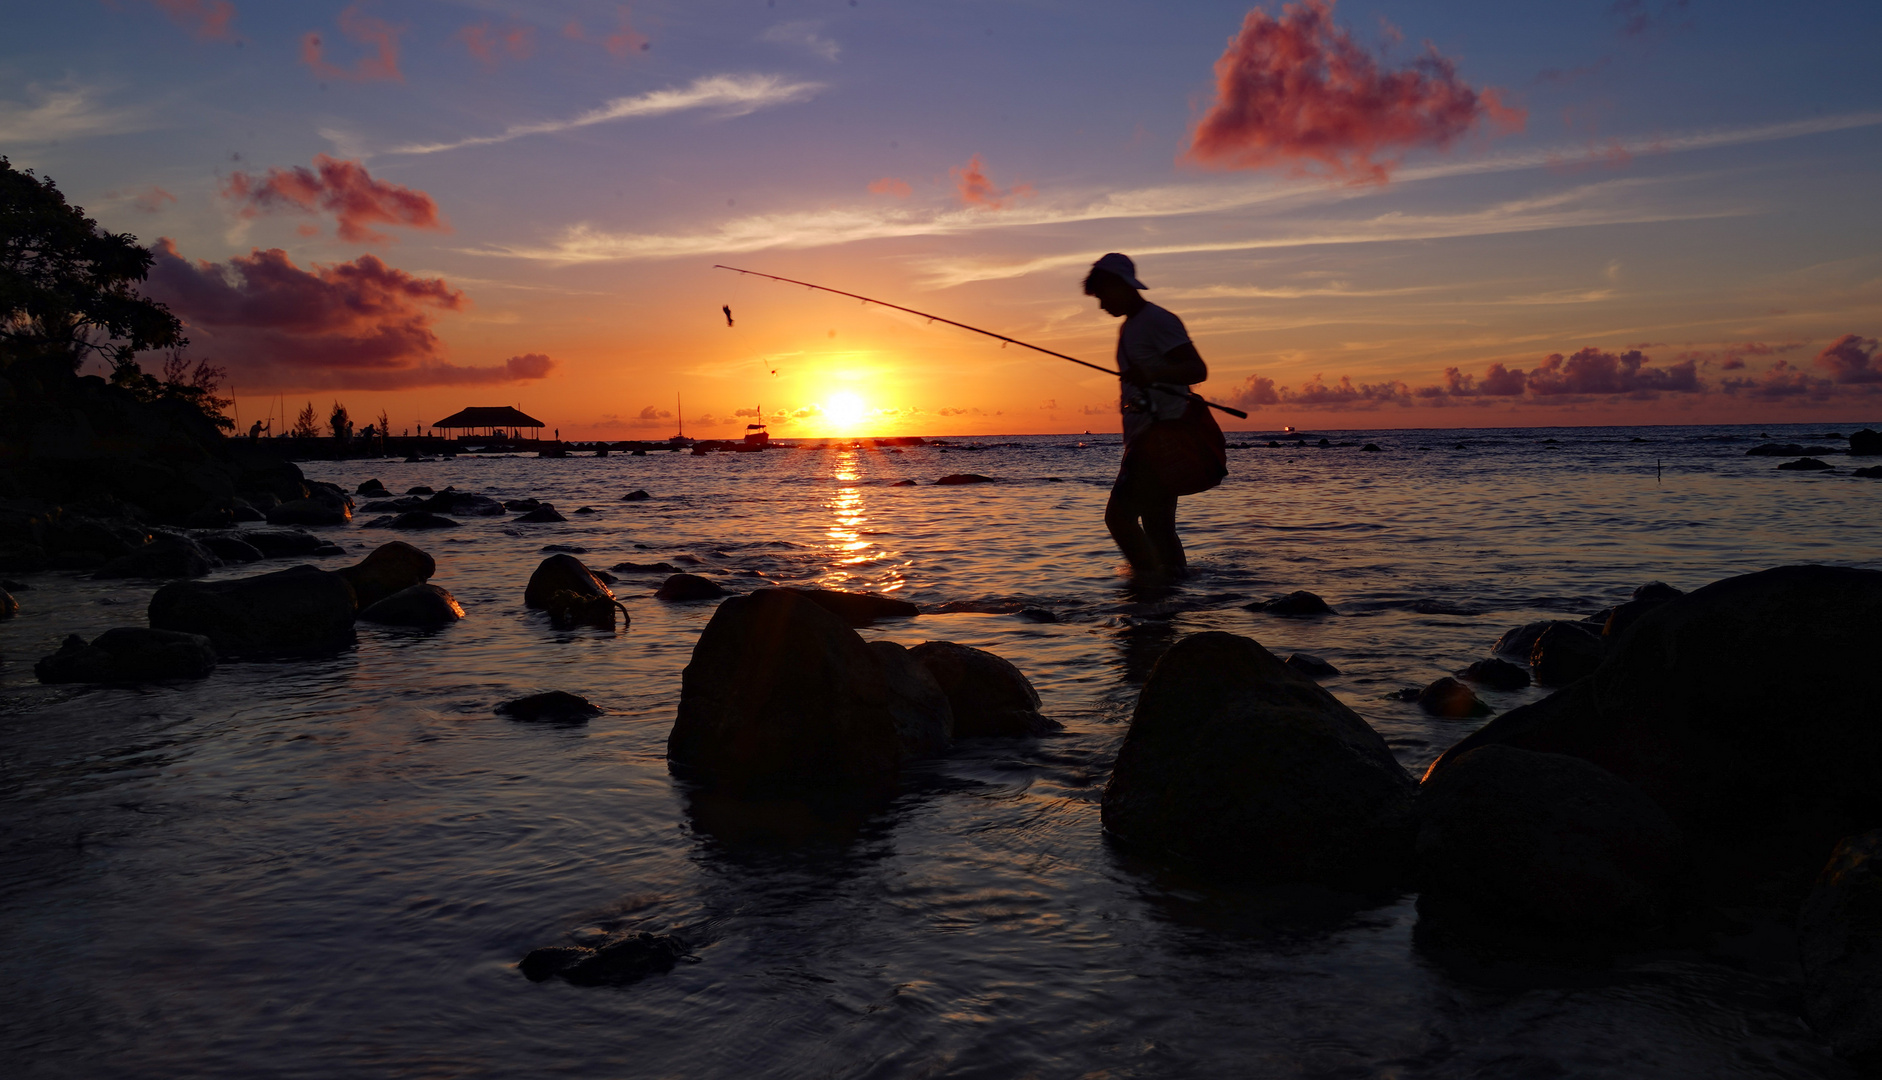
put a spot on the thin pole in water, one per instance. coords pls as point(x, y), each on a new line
point(1004, 340)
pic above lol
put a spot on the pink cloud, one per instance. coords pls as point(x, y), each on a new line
point(976, 188)
point(343, 188)
point(381, 36)
point(352, 325)
point(626, 41)
point(1298, 91)
point(890, 185)
point(1852, 359)
point(209, 20)
point(150, 200)
point(488, 46)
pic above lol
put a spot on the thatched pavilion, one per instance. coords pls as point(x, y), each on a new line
point(492, 420)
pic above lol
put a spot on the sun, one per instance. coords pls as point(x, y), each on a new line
point(844, 410)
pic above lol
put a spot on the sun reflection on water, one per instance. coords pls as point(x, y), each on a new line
point(856, 560)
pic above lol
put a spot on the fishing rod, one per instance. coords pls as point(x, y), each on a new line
point(936, 318)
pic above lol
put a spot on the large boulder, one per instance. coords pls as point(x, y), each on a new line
point(572, 594)
point(419, 605)
point(1839, 940)
point(683, 587)
point(1865, 443)
point(988, 695)
point(168, 556)
point(1746, 710)
point(129, 654)
point(859, 609)
point(923, 713)
point(1565, 652)
point(295, 610)
point(391, 568)
point(1240, 768)
point(1545, 840)
point(782, 695)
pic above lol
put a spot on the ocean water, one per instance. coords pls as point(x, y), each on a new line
point(330, 866)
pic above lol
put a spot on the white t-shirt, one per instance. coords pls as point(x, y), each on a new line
point(1146, 338)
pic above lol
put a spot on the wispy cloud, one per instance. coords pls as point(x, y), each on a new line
point(803, 34)
point(731, 95)
point(63, 114)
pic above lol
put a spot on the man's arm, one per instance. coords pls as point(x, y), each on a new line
point(1182, 364)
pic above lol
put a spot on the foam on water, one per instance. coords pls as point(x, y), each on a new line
point(331, 866)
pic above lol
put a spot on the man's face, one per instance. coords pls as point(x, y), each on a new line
point(1115, 298)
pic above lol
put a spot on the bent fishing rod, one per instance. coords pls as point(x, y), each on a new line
point(1002, 337)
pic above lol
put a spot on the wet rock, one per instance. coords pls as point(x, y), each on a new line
point(464, 504)
point(372, 489)
point(906, 483)
point(1646, 598)
point(391, 568)
point(571, 549)
point(295, 610)
point(637, 495)
point(683, 587)
point(1242, 769)
point(1452, 700)
point(413, 519)
point(1865, 443)
point(584, 509)
point(1839, 938)
point(1311, 666)
point(129, 654)
point(987, 694)
point(244, 513)
point(1300, 604)
point(1497, 674)
point(1548, 840)
point(521, 506)
point(1657, 590)
point(620, 963)
point(1746, 710)
point(419, 490)
point(965, 478)
point(1037, 615)
point(1873, 472)
point(400, 505)
point(645, 568)
point(572, 594)
point(281, 543)
point(230, 549)
point(9, 607)
point(859, 609)
point(922, 711)
point(1786, 450)
point(781, 695)
point(1521, 641)
point(1564, 653)
point(168, 556)
point(1808, 464)
point(554, 707)
point(541, 514)
point(321, 508)
point(418, 605)
point(1370, 448)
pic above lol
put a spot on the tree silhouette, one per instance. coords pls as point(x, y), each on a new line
point(340, 423)
point(307, 424)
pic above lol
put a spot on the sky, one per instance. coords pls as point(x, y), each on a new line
point(1368, 214)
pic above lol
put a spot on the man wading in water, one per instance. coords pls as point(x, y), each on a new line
point(1172, 445)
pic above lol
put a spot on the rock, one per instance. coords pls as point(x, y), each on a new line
point(420, 490)
point(9, 607)
point(1309, 665)
point(1452, 700)
point(571, 549)
point(859, 609)
point(464, 503)
point(1808, 464)
point(1545, 840)
point(554, 707)
point(1786, 450)
point(295, 610)
point(1564, 653)
point(371, 489)
point(1873, 472)
point(988, 695)
point(1865, 443)
point(1242, 769)
point(1370, 448)
point(781, 695)
point(521, 506)
point(1496, 674)
point(906, 483)
point(413, 519)
point(1657, 590)
point(169, 556)
point(399, 505)
point(329, 548)
point(1037, 615)
point(1299, 604)
point(922, 711)
point(682, 587)
point(628, 960)
point(585, 510)
point(230, 549)
point(281, 543)
point(392, 567)
point(644, 568)
point(1521, 641)
point(965, 478)
point(543, 513)
point(418, 605)
point(1839, 939)
point(637, 495)
point(571, 594)
point(1746, 710)
point(320, 509)
point(129, 654)
point(246, 513)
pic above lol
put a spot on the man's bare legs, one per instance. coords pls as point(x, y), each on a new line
point(1151, 547)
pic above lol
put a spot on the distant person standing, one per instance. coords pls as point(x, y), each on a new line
point(1172, 446)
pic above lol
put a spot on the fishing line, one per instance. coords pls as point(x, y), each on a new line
point(1002, 338)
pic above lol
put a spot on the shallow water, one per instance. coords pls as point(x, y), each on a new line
point(331, 866)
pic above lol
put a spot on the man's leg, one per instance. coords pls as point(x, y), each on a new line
point(1120, 516)
point(1159, 530)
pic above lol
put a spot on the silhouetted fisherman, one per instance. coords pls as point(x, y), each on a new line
point(1172, 446)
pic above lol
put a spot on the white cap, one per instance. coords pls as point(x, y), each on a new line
point(1121, 266)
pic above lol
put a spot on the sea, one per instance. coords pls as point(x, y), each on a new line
point(330, 867)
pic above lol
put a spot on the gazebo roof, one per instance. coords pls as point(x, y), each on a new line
point(491, 416)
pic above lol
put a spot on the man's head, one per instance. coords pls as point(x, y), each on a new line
point(1113, 280)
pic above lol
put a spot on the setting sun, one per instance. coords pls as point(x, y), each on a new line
point(844, 410)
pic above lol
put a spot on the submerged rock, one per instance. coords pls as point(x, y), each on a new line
point(684, 587)
point(281, 543)
point(553, 707)
point(906, 483)
point(1452, 700)
point(1037, 615)
point(859, 609)
point(391, 568)
point(168, 556)
point(988, 695)
point(645, 568)
point(1808, 464)
point(619, 963)
point(371, 489)
point(1564, 653)
point(320, 508)
point(965, 478)
point(295, 610)
point(416, 605)
point(413, 519)
point(1299, 604)
point(398, 506)
point(1311, 666)
point(464, 504)
point(230, 549)
point(637, 495)
point(542, 514)
point(1242, 769)
point(1546, 839)
point(1839, 940)
point(129, 654)
point(572, 594)
point(1497, 674)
